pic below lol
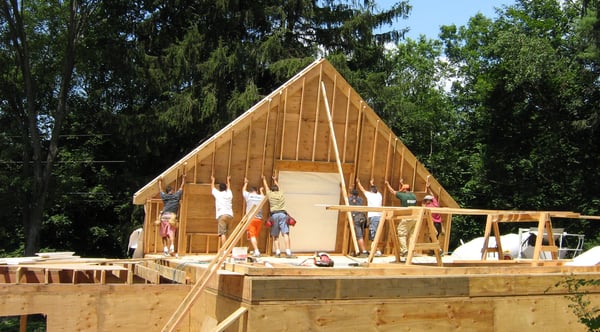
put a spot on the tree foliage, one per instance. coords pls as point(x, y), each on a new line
point(581, 305)
point(528, 101)
point(97, 97)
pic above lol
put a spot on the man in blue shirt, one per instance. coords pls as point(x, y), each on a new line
point(168, 217)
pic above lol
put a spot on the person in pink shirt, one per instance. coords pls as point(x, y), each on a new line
point(430, 201)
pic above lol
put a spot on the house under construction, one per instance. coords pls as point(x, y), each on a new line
point(318, 137)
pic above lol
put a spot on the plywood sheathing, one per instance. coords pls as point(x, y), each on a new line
point(425, 298)
point(94, 307)
point(291, 127)
point(383, 296)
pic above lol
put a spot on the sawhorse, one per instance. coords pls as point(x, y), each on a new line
point(424, 227)
point(544, 226)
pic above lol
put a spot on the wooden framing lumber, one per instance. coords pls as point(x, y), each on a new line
point(339, 166)
point(231, 319)
point(192, 296)
point(288, 125)
point(318, 299)
point(543, 218)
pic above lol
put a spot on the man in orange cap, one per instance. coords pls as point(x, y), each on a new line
point(406, 226)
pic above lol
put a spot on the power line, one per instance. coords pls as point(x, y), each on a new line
point(67, 162)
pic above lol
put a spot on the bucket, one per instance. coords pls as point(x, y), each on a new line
point(239, 254)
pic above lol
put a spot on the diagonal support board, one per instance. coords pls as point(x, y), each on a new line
point(339, 166)
point(378, 234)
point(223, 325)
point(212, 268)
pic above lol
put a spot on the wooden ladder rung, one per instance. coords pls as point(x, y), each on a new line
point(492, 249)
point(427, 246)
point(549, 248)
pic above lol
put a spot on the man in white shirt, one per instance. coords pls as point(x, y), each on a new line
point(223, 206)
point(374, 199)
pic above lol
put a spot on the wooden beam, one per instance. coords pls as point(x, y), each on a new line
point(276, 131)
point(584, 217)
point(374, 149)
point(224, 324)
point(357, 147)
point(308, 166)
point(212, 268)
point(300, 117)
point(387, 164)
point(285, 101)
point(346, 124)
point(230, 152)
point(458, 211)
point(332, 111)
point(176, 275)
point(414, 175)
point(212, 165)
point(249, 142)
point(393, 167)
point(317, 107)
point(23, 323)
point(147, 274)
point(262, 169)
point(339, 165)
point(196, 168)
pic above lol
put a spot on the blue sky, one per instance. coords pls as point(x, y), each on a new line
point(427, 16)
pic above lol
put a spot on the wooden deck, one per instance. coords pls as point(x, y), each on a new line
point(278, 294)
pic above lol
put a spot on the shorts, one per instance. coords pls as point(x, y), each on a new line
point(280, 224)
point(254, 228)
point(170, 217)
point(359, 225)
point(167, 229)
point(373, 223)
point(223, 224)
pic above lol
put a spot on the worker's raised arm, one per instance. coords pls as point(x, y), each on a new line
point(390, 187)
point(360, 185)
point(160, 187)
point(182, 181)
point(428, 186)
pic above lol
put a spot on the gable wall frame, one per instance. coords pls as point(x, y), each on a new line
point(291, 125)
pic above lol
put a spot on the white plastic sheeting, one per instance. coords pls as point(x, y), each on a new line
point(472, 249)
point(588, 258)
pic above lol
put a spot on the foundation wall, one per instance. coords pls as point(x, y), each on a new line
point(310, 299)
point(87, 307)
point(408, 303)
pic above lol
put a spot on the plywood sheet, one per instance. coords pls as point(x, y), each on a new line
point(316, 229)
